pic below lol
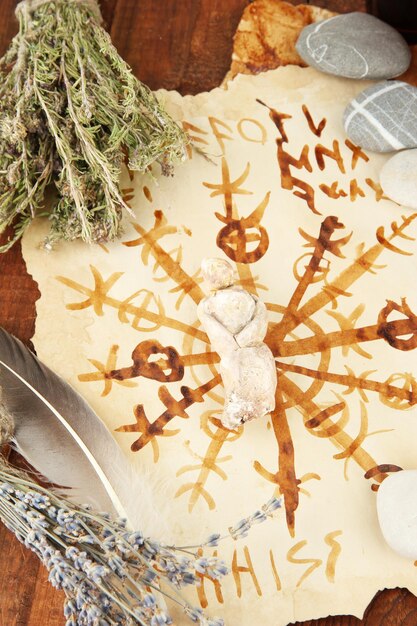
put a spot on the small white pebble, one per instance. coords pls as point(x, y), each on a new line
point(398, 178)
point(397, 512)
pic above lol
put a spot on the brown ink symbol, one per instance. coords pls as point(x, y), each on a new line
point(239, 234)
point(294, 333)
point(167, 369)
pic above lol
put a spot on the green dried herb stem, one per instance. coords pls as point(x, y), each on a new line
point(71, 112)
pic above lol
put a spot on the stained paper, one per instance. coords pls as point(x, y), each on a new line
point(278, 189)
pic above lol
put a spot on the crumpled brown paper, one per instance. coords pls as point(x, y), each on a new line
point(267, 33)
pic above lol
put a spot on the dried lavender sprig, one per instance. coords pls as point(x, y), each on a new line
point(107, 572)
point(241, 529)
point(71, 112)
point(72, 526)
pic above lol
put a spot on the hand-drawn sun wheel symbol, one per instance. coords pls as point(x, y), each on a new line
point(293, 336)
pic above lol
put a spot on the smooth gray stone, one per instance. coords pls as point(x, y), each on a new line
point(383, 117)
point(354, 45)
point(398, 178)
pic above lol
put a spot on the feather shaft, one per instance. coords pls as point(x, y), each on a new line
point(64, 440)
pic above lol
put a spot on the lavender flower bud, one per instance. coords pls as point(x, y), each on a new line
point(136, 539)
point(69, 608)
point(195, 614)
point(149, 601)
point(96, 572)
point(117, 565)
point(52, 512)
point(241, 529)
point(213, 540)
point(6, 490)
point(272, 505)
point(160, 619)
point(189, 579)
point(149, 576)
point(258, 517)
point(89, 539)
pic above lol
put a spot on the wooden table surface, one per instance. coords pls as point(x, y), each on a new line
point(175, 44)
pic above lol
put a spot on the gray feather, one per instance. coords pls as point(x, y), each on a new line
point(62, 437)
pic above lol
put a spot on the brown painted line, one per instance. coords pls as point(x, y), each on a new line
point(387, 390)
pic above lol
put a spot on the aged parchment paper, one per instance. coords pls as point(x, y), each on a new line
point(298, 208)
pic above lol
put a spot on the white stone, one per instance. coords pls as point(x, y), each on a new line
point(398, 178)
point(236, 323)
point(397, 512)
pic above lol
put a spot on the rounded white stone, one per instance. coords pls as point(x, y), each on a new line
point(397, 512)
point(398, 178)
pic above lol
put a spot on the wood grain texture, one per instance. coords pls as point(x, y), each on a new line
point(175, 44)
point(184, 45)
point(338, 6)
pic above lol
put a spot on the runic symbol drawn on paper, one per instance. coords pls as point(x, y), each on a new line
point(212, 427)
point(238, 234)
point(304, 346)
point(104, 372)
point(149, 241)
point(300, 555)
point(312, 157)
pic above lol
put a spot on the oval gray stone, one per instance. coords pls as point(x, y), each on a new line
point(383, 117)
point(398, 178)
point(354, 45)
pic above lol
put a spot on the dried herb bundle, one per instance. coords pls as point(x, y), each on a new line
point(110, 575)
point(71, 112)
